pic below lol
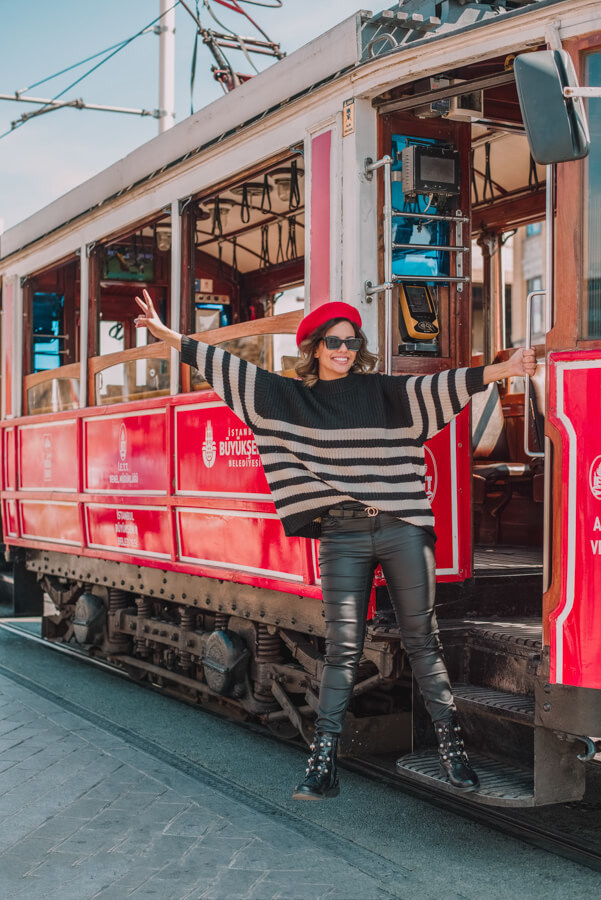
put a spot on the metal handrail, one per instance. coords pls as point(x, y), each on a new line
point(427, 217)
point(371, 288)
point(528, 346)
point(440, 247)
point(386, 288)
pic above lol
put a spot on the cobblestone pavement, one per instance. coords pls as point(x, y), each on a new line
point(83, 814)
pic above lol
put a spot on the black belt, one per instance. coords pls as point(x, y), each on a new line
point(341, 513)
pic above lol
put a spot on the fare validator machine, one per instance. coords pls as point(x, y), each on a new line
point(425, 184)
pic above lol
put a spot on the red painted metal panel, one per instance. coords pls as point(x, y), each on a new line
point(135, 530)
point(126, 452)
point(48, 456)
point(10, 481)
point(11, 521)
point(54, 521)
point(320, 219)
point(216, 453)
point(448, 486)
point(251, 542)
point(575, 625)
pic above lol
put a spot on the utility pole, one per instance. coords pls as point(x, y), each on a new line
point(166, 31)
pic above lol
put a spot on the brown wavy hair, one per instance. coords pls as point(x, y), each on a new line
point(307, 368)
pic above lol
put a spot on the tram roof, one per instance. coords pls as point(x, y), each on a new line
point(322, 60)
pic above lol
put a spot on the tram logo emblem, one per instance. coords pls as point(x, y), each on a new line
point(123, 442)
point(431, 475)
point(594, 478)
point(209, 447)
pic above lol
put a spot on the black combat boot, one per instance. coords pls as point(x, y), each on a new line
point(454, 760)
point(321, 780)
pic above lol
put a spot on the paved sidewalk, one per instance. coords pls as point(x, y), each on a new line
point(84, 814)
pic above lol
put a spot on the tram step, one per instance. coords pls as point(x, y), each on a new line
point(501, 784)
point(496, 723)
point(504, 655)
point(500, 704)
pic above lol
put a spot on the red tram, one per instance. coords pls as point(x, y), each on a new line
point(385, 163)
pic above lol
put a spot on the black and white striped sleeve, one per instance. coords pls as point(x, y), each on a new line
point(436, 399)
point(234, 379)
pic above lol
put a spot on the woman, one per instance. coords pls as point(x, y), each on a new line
point(344, 458)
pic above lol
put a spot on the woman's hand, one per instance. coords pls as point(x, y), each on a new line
point(522, 362)
point(150, 319)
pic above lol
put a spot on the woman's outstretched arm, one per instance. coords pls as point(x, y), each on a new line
point(436, 399)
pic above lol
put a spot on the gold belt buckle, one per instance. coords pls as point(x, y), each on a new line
point(371, 511)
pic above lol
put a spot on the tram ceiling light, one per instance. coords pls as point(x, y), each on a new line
point(203, 214)
point(282, 178)
point(254, 189)
point(225, 208)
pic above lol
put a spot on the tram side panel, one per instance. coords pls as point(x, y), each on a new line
point(176, 485)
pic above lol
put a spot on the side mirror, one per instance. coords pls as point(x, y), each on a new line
point(556, 125)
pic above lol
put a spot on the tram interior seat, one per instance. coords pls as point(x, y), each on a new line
point(501, 470)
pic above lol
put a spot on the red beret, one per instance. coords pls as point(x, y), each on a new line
point(334, 310)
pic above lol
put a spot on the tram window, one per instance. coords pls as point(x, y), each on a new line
point(112, 338)
point(48, 331)
point(249, 243)
point(591, 318)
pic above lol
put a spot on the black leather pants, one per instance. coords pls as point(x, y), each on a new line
point(350, 550)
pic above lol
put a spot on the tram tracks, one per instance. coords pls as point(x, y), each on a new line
point(562, 829)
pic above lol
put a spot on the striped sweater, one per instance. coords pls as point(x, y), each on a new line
point(358, 438)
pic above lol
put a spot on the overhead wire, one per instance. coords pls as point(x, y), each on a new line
point(275, 4)
point(235, 6)
point(49, 107)
point(77, 64)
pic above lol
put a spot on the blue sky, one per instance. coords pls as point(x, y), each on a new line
point(48, 156)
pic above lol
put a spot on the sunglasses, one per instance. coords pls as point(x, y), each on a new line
point(335, 343)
